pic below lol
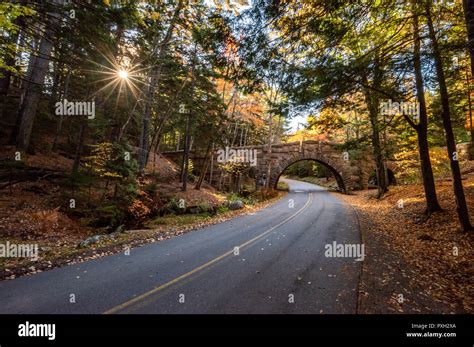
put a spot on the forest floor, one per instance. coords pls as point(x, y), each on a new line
point(413, 264)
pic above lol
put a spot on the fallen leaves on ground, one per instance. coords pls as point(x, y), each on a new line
point(428, 262)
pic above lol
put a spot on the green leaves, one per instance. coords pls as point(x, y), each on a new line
point(111, 160)
point(9, 12)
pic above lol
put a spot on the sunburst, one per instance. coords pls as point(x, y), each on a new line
point(119, 77)
point(123, 74)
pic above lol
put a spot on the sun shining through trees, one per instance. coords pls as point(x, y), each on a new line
point(123, 74)
point(124, 79)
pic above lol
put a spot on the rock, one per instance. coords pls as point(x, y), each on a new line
point(120, 229)
point(425, 237)
point(194, 209)
point(90, 240)
point(236, 205)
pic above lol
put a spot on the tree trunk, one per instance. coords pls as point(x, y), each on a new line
point(461, 205)
point(204, 168)
point(431, 198)
point(160, 123)
point(379, 159)
point(64, 95)
point(124, 126)
point(24, 85)
point(372, 104)
point(6, 78)
point(152, 88)
point(187, 147)
point(33, 88)
point(80, 144)
point(9, 60)
point(211, 171)
point(469, 108)
point(185, 163)
point(269, 150)
point(469, 15)
point(143, 152)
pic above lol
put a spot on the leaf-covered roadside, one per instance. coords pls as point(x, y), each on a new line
point(414, 265)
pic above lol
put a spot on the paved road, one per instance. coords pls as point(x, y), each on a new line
point(280, 267)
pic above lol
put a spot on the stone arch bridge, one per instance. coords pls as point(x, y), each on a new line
point(351, 169)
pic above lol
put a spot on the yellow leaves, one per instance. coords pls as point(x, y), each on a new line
point(234, 168)
point(305, 134)
point(99, 162)
point(107, 2)
point(408, 164)
point(155, 15)
point(110, 174)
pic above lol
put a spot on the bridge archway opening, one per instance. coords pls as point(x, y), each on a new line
point(320, 173)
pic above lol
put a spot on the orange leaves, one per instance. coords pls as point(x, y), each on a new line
point(304, 135)
point(231, 51)
point(428, 261)
point(249, 108)
point(138, 209)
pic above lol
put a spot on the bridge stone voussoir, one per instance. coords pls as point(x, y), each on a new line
point(353, 173)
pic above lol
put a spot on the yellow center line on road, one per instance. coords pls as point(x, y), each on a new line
point(128, 303)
